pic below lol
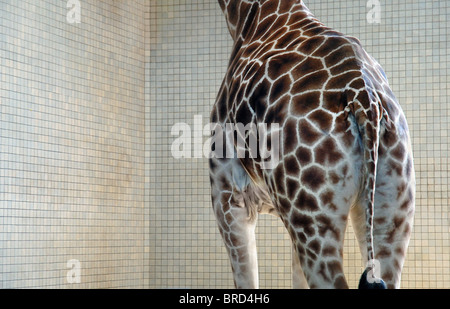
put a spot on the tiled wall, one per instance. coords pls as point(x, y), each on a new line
point(71, 144)
point(188, 53)
point(86, 115)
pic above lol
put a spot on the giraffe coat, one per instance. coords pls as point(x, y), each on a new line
point(343, 141)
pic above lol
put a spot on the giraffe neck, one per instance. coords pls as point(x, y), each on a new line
point(239, 15)
point(247, 18)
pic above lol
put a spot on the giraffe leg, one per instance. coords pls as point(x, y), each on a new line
point(394, 210)
point(240, 241)
point(236, 220)
point(322, 271)
point(319, 246)
point(393, 216)
point(321, 258)
point(298, 277)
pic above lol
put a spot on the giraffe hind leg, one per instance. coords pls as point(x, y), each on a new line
point(240, 242)
point(236, 221)
point(393, 218)
point(318, 243)
point(298, 277)
point(394, 210)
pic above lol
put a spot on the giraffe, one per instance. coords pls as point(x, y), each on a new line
point(344, 144)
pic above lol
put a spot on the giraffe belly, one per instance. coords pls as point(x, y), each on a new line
point(258, 196)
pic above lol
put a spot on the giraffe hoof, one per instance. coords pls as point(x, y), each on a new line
point(369, 282)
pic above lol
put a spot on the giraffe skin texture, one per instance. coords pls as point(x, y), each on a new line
point(344, 145)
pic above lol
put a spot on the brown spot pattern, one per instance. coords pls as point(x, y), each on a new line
point(329, 115)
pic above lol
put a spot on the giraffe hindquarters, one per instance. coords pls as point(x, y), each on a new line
point(393, 218)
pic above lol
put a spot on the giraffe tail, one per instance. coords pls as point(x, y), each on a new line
point(368, 117)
